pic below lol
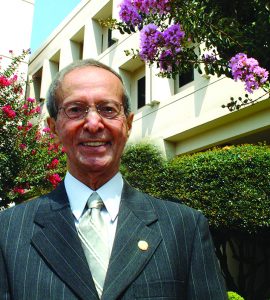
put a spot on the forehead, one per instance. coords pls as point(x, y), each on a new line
point(90, 81)
point(91, 74)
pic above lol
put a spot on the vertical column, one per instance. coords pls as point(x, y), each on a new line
point(49, 70)
point(45, 78)
point(161, 88)
point(92, 39)
point(65, 54)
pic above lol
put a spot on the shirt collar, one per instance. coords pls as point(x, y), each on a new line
point(78, 194)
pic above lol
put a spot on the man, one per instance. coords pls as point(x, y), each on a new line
point(158, 249)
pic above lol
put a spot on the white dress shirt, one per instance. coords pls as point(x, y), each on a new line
point(110, 193)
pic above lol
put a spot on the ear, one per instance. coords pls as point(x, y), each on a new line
point(53, 127)
point(129, 123)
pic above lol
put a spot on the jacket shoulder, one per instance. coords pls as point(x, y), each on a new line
point(20, 208)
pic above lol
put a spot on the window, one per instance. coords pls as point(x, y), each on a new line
point(186, 77)
point(54, 63)
point(111, 41)
point(141, 92)
point(76, 45)
point(103, 34)
point(183, 79)
point(36, 81)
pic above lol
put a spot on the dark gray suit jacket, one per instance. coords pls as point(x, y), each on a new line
point(41, 255)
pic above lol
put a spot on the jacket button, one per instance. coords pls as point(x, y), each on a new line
point(143, 245)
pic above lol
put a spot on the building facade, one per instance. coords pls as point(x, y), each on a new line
point(16, 17)
point(181, 115)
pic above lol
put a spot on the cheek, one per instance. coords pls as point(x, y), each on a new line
point(121, 135)
point(64, 134)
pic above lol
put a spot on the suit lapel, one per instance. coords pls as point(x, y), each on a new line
point(59, 245)
point(127, 259)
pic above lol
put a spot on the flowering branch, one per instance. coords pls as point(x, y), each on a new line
point(171, 32)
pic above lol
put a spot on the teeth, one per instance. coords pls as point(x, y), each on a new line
point(94, 144)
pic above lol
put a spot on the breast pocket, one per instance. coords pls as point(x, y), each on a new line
point(165, 290)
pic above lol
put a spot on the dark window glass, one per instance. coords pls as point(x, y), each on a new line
point(186, 77)
point(141, 92)
point(111, 41)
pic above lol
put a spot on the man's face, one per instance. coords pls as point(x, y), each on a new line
point(93, 144)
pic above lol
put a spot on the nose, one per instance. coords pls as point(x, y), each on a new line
point(93, 122)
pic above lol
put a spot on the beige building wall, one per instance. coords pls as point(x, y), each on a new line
point(16, 18)
point(180, 119)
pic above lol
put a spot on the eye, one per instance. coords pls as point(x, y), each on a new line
point(74, 110)
point(109, 109)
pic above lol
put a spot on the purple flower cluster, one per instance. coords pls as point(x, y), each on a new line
point(152, 6)
point(165, 45)
point(248, 70)
point(131, 11)
point(129, 14)
point(172, 37)
point(151, 40)
point(209, 57)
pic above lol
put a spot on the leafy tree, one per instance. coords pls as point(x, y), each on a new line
point(29, 159)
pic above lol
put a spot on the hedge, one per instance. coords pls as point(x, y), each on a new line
point(234, 296)
point(230, 185)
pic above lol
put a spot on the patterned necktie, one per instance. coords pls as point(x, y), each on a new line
point(93, 234)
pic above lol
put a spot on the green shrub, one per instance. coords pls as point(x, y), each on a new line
point(234, 296)
point(230, 185)
point(143, 165)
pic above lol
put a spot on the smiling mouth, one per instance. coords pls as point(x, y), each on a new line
point(95, 144)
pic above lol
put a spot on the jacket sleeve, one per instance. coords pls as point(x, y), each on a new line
point(4, 286)
point(205, 280)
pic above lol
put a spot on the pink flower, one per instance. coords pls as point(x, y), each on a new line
point(14, 79)
point(22, 146)
point(4, 81)
point(38, 135)
point(33, 152)
point(54, 179)
point(32, 112)
point(19, 190)
point(38, 109)
point(53, 147)
point(31, 100)
point(46, 129)
point(53, 164)
point(7, 109)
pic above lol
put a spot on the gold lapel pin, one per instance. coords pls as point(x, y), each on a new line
point(143, 245)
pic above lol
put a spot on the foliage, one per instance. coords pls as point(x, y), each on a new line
point(230, 185)
point(29, 159)
point(171, 32)
point(143, 165)
point(234, 296)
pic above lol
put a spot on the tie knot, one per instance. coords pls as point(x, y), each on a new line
point(95, 201)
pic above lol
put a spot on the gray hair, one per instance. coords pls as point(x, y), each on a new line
point(54, 95)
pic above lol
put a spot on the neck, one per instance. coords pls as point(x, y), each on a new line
point(93, 180)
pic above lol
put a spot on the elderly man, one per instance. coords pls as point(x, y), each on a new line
point(95, 236)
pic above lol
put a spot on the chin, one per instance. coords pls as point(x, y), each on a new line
point(97, 165)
